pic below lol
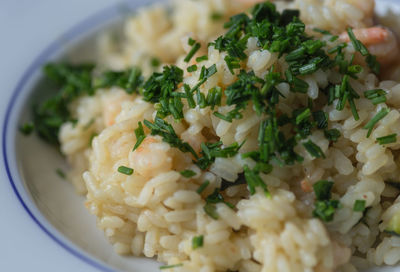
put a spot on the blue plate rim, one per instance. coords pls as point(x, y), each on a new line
point(72, 34)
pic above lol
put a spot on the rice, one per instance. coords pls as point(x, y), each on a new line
point(156, 211)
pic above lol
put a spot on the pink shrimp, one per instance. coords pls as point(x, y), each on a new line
point(380, 41)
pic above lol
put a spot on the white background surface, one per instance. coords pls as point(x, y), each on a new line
point(26, 27)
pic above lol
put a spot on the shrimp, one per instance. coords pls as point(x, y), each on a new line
point(151, 157)
point(380, 42)
point(112, 105)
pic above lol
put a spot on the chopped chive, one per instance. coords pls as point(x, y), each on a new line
point(223, 117)
point(170, 266)
point(313, 149)
point(125, 170)
point(354, 69)
point(189, 96)
point(389, 139)
point(370, 94)
point(27, 128)
point(187, 173)
point(215, 16)
point(376, 96)
point(193, 51)
point(192, 68)
point(155, 62)
point(358, 46)
point(308, 68)
point(202, 58)
point(333, 38)
point(322, 189)
point(373, 64)
point(380, 115)
point(353, 109)
point(140, 136)
point(203, 186)
point(322, 31)
point(332, 134)
point(197, 241)
point(359, 205)
point(211, 210)
point(303, 116)
point(61, 173)
point(378, 100)
point(321, 118)
point(191, 42)
point(296, 54)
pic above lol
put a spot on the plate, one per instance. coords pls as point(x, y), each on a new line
point(50, 202)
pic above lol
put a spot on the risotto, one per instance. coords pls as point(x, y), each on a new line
point(222, 135)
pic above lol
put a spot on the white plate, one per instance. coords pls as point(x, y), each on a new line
point(51, 203)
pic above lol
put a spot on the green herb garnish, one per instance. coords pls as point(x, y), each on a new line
point(325, 207)
point(193, 51)
point(376, 96)
point(211, 211)
point(203, 186)
point(140, 136)
point(170, 266)
point(359, 206)
point(313, 149)
point(125, 170)
point(27, 128)
point(389, 139)
point(197, 242)
point(380, 115)
point(192, 68)
point(187, 173)
point(61, 173)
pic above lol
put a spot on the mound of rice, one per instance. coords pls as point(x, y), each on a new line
point(156, 212)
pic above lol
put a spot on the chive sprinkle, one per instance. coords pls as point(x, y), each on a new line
point(325, 32)
point(380, 115)
point(170, 266)
point(356, 43)
point(193, 51)
point(125, 170)
point(140, 136)
point(332, 134)
point(192, 68)
point(187, 173)
point(313, 149)
point(211, 211)
point(203, 186)
point(61, 173)
point(202, 58)
point(323, 189)
point(155, 62)
point(215, 16)
point(389, 139)
point(359, 205)
point(197, 241)
point(303, 116)
point(191, 42)
point(376, 96)
point(27, 128)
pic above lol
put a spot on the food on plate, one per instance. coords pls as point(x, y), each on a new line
point(222, 135)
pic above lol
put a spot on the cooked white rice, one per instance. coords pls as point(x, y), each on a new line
point(156, 211)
